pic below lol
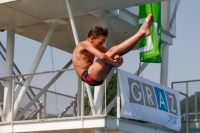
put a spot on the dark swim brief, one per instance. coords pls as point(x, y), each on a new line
point(87, 79)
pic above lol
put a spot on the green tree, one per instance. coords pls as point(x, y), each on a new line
point(191, 104)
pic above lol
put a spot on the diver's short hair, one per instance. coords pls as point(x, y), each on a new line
point(97, 30)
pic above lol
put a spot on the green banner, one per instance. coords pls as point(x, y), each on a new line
point(150, 46)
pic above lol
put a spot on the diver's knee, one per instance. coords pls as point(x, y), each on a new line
point(112, 51)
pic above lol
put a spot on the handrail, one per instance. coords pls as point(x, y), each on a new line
point(19, 75)
point(189, 114)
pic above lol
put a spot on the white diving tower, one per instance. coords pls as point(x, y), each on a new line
point(62, 24)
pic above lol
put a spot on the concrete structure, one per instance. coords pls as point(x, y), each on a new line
point(62, 24)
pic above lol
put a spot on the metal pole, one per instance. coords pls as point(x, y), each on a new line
point(34, 67)
point(98, 98)
point(13, 95)
point(174, 13)
point(196, 117)
point(82, 99)
point(9, 72)
point(105, 82)
point(90, 97)
point(165, 49)
point(99, 90)
point(72, 22)
point(45, 104)
point(166, 15)
point(187, 118)
point(42, 91)
point(75, 106)
point(118, 101)
point(79, 97)
point(1, 113)
point(39, 114)
point(164, 65)
point(76, 38)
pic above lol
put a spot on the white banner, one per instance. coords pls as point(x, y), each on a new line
point(145, 100)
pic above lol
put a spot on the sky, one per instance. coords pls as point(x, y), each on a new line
point(184, 61)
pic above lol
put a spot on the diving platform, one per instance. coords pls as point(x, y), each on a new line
point(87, 124)
point(58, 101)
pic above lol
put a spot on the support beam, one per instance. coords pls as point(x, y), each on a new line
point(165, 49)
point(126, 16)
point(79, 97)
point(1, 113)
point(42, 91)
point(9, 72)
point(166, 16)
point(34, 67)
point(11, 115)
point(90, 97)
point(39, 114)
point(76, 38)
point(143, 66)
point(174, 13)
point(118, 101)
point(99, 90)
point(98, 98)
point(164, 65)
point(71, 17)
point(111, 105)
point(82, 98)
point(166, 37)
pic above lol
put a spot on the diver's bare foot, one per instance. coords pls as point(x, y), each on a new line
point(145, 28)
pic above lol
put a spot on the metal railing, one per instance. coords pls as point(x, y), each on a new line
point(53, 99)
point(192, 89)
point(57, 96)
point(189, 103)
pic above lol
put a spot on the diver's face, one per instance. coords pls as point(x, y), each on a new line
point(99, 41)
